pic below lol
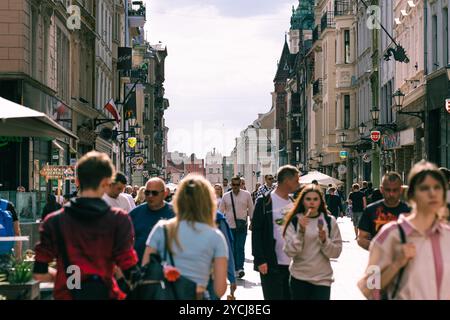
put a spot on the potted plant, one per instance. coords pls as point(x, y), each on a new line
point(18, 284)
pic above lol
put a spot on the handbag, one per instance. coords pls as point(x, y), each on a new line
point(362, 284)
point(92, 287)
point(154, 284)
point(384, 294)
point(241, 225)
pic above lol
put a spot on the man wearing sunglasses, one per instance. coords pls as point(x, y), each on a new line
point(267, 187)
point(146, 215)
point(237, 205)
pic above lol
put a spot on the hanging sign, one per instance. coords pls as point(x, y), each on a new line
point(366, 158)
point(343, 154)
point(132, 142)
point(447, 105)
point(58, 172)
point(375, 136)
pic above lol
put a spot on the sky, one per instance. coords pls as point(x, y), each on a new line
point(222, 58)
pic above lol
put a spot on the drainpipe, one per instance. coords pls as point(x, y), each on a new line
point(127, 36)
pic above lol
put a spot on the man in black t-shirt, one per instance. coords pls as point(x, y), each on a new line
point(379, 213)
point(357, 200)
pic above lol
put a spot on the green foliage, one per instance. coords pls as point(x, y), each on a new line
point(21, 272)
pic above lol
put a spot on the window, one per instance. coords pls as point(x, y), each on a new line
point(33, 38)
point(347, 46)
point(62, 45)
point(210, 170)
point(434, 40)
point(346, 111)
point(445, 35)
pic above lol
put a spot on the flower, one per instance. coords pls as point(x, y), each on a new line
point(171, 273)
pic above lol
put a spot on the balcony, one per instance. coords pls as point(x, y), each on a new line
point(343, 8)
point(327, 21)
point(317, 87)
point(136, 14)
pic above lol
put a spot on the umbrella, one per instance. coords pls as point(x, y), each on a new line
point(19, 121)
point(321, 178)
point(172, 187)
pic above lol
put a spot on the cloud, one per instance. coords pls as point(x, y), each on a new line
point(227, 8)
point(219, 69)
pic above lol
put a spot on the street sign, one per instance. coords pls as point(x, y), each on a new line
point(137, 160)
point(342, 169)
point(132, 142)
point(58, 172)
point(375, 136)
point(366, 158)
point(343, 154)
point(447, 105)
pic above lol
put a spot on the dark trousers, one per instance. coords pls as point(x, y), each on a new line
point(239, 238)
point(303, 290)
point(275, 283)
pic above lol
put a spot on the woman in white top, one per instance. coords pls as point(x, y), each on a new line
point(219, 193)
point(311, 244)
point(193, 238)
point(417, 268)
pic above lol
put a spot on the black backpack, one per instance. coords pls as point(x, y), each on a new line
point(294, 222)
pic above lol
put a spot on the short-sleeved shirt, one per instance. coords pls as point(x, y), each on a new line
point(357, 201)
point(144, 220)
point(201, 244)
point(427, 275)
point(280, 208)
point(120, 202)
point(378, 214)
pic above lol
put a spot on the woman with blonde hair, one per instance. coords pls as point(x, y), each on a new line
point(312, 238)
point(140, 197)
point(219, 193)
point(194, 241)
point(410, 259)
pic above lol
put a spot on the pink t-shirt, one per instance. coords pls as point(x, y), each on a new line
point(427, 275)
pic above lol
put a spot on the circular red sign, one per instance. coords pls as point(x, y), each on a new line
point(375, 136)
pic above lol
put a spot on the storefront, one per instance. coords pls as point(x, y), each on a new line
point(399, 152)
point(437, 137)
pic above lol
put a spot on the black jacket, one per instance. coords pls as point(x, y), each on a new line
point(263, 243)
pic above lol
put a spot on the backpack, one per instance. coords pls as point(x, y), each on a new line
point(294, 222)
point(6, 228)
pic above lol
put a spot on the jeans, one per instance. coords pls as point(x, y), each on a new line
point(303, 290)
point(275, 283)
point(239, 248)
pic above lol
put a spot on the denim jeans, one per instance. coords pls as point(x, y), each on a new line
point(239, 248)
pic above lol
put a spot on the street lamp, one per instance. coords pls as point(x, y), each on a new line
point(362, 129)
point(343, 137)
point(375, 114)
point(137, 129)
point(320, 158)
point(399, 98)
point(132, 121)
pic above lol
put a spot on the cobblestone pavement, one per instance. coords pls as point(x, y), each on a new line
point(348, 268)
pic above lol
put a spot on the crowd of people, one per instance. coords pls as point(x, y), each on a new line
point(113, 231)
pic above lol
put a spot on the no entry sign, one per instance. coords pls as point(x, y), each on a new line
point(375, 136)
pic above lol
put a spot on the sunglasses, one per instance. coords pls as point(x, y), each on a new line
point(236, 184)
point(152, 192)
point(270, 178)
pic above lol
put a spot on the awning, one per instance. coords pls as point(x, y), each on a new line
point(321, 178)
point(19, 121)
